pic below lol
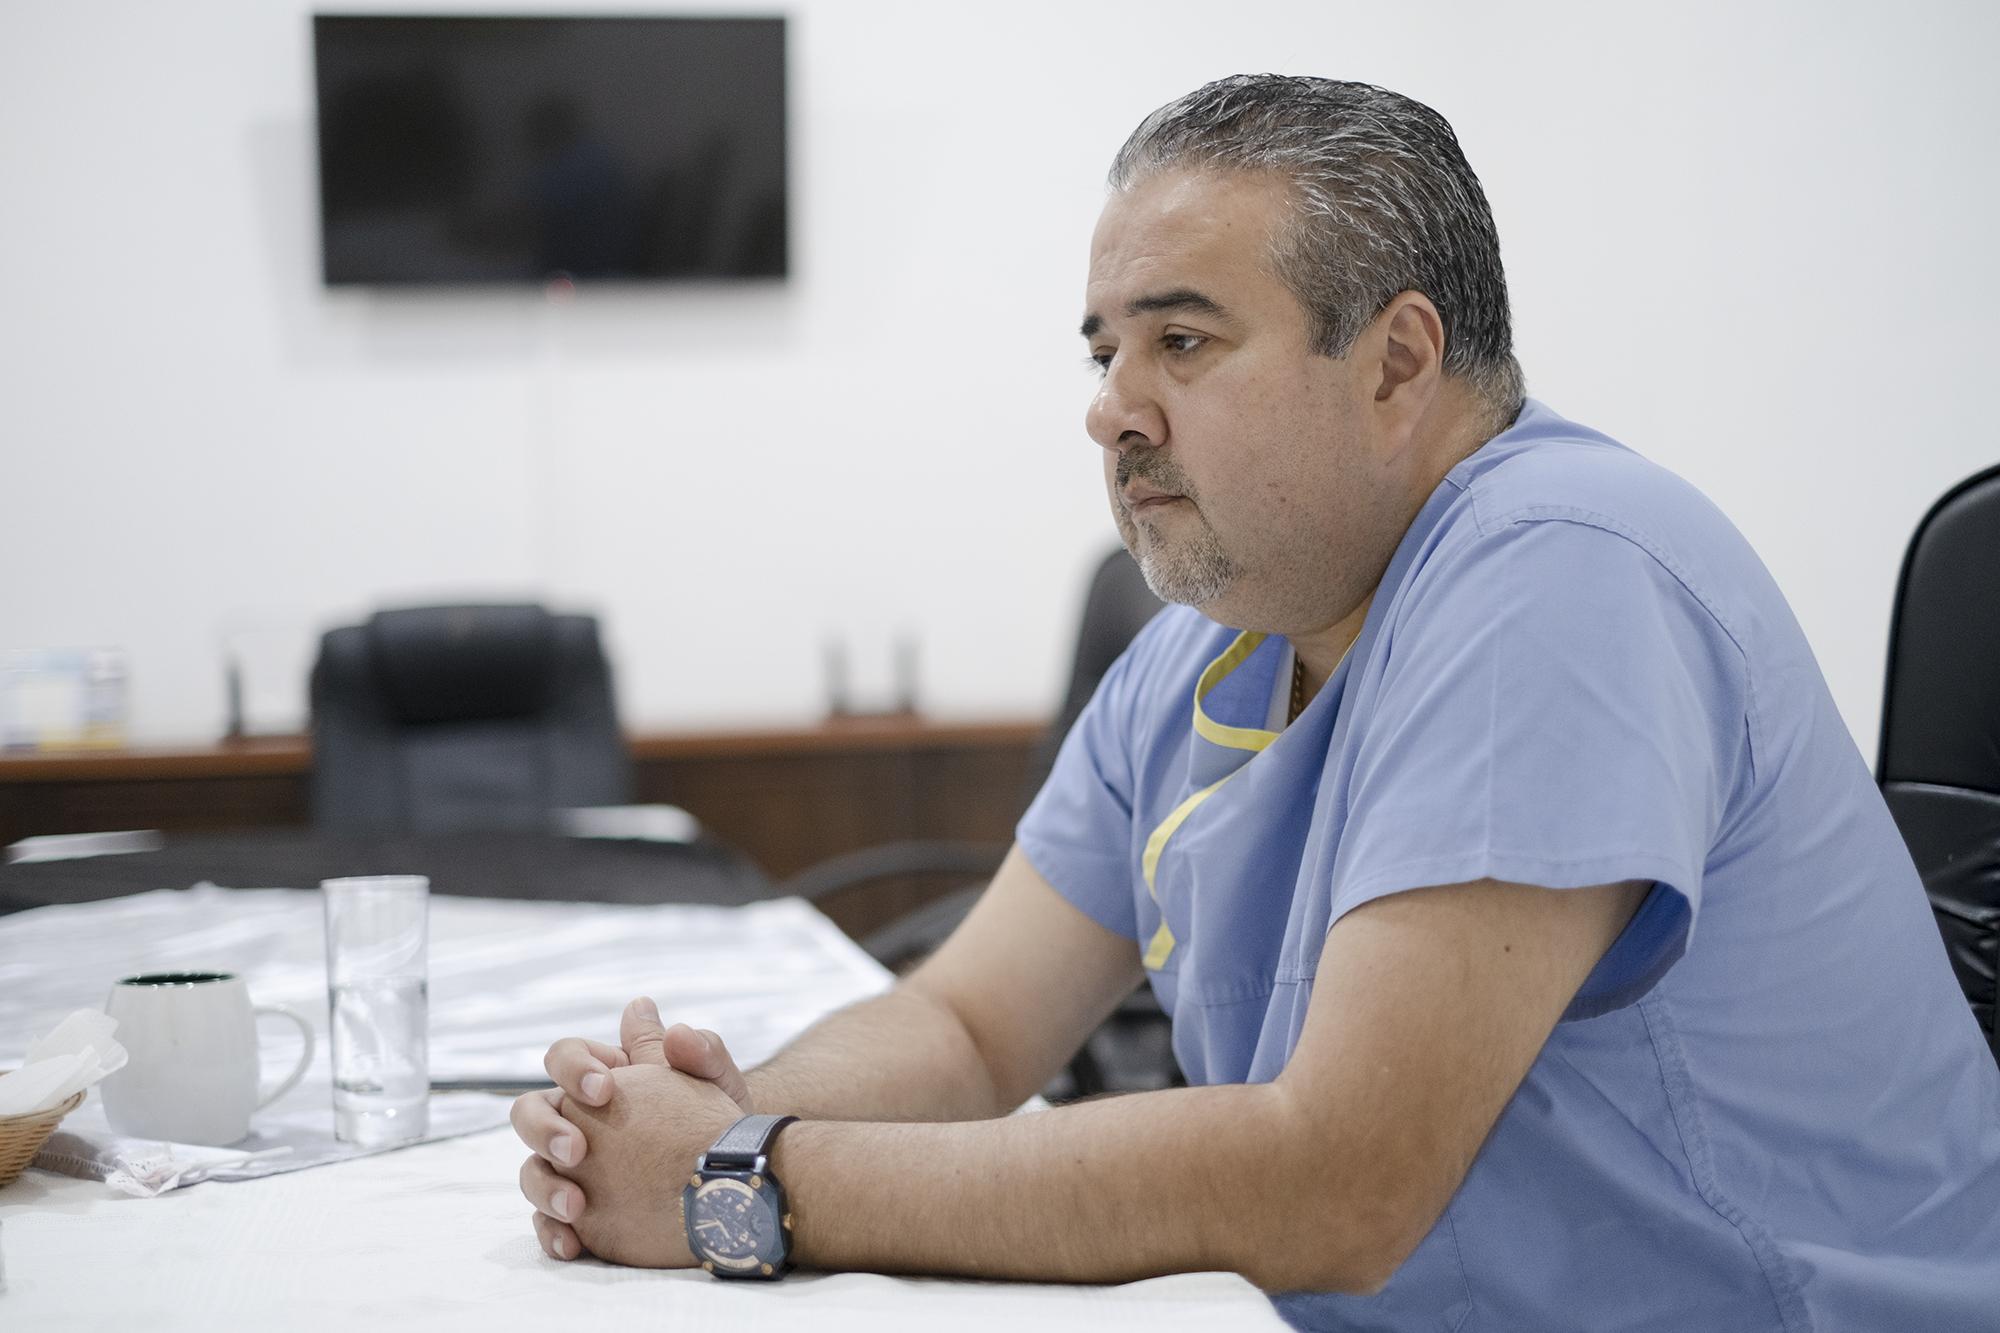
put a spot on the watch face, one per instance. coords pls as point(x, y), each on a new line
point(733, 1225)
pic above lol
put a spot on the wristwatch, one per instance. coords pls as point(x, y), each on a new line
point(738, 1223)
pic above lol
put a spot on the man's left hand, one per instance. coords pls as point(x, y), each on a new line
point(623, 1199)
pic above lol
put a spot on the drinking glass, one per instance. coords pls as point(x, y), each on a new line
point(377, 942)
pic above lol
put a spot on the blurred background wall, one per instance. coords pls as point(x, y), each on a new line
point(1750, 240)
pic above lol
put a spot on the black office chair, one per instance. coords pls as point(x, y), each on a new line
point(1940, 758)
point(444, 719)
point(1132, 1050)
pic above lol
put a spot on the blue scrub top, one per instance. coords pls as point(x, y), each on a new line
point(1769, 1106)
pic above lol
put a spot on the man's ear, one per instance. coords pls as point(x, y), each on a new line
point(1408, 337)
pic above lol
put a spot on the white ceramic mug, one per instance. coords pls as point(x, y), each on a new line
point(193, 1072)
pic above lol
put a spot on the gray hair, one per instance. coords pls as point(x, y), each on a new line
point(1385, 203)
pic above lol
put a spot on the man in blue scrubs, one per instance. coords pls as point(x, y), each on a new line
point(1536, 941)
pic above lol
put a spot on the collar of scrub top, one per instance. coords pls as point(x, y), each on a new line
point(1228, 694)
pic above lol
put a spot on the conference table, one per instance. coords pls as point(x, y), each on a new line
point(509, 864)
point(291, 1229)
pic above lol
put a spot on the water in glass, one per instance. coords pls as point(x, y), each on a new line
point(381, 1078)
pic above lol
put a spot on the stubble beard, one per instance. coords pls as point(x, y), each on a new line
point(1193, 572)
point(1190, 568)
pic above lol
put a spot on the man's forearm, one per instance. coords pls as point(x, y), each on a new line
point(979, 1028)
point(1193, 1179)
point(900, 1056)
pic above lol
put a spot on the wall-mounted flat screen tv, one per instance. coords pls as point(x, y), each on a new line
point(493, 150)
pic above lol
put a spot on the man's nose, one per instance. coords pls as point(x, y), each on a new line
point(1123, 414)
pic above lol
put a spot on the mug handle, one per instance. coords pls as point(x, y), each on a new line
point(305, 1056)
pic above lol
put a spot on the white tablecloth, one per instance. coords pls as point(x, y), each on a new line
point(437, 1236)
point(506, 979)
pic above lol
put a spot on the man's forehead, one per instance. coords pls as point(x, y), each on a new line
point(1179, 233)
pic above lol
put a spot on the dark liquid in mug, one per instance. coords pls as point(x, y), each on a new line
point(177, 978)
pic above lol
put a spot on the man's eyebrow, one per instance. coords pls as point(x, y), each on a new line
point(1180, 298)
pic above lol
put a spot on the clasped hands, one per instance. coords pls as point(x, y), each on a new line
point(617, 1137)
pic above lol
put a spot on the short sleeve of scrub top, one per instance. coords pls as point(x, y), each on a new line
point(1555, 709)
point(1077, 832)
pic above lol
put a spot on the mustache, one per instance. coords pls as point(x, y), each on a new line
point(1155, 469)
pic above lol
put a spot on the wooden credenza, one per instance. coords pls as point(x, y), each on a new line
point(789, 797)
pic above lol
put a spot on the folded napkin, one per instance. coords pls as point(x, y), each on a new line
point(74, 1055)
point(295, 1133)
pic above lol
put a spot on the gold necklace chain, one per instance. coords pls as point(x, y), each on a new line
point(1299, 680)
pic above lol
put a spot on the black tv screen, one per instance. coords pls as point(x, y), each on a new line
point(470, 150)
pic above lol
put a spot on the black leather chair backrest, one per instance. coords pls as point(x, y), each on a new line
point(465, 663)
point(448, 718)
point(1115, 609)
point(1940, 759)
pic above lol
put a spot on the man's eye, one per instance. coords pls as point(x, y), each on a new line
point(1182, 343)
point(1099, 362)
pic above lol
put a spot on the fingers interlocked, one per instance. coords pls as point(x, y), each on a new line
point(581, 1070)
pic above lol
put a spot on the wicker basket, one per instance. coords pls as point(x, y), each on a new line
point(22, 1136)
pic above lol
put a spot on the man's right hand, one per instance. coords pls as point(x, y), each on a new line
point(581, 1069)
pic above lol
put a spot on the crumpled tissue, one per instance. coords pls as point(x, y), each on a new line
point(141, 1169)
point(74, 1055)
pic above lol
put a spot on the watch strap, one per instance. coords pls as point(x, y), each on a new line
point(744, 1142)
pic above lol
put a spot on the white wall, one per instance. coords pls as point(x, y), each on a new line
point(1753, 241)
